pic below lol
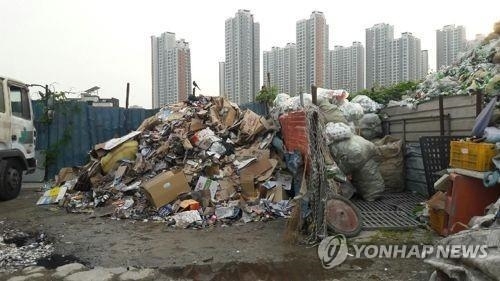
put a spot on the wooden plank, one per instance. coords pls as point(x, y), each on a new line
point(448, 102)
point(462, 124)
point(461, 111)
point(410, 136)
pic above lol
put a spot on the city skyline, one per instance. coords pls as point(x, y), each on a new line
point(80, 44)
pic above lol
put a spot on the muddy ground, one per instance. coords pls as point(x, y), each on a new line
point(254, 251)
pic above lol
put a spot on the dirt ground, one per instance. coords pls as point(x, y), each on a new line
point(254, 251)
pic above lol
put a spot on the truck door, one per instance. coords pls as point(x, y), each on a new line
point(22, 128)
point(5, 135)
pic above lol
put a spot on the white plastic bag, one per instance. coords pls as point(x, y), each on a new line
point(335, 132)
point(368, 105)
point(351, 111)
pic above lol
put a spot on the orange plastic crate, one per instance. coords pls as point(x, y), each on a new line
point(472, 156)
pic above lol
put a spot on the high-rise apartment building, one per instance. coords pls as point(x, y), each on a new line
point(424, 63)
point(450, 42)
point(280, 63)
point(312, 52)
point(170, 68)
point(222, 83)
point(242, 57)
point(378, 54)
point(347, 68)
point(405, 59)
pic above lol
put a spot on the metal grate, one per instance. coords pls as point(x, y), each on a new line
point(393, 211)
point(388, 220)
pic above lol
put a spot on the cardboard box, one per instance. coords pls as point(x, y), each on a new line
point(165, 188)
point(277, 194)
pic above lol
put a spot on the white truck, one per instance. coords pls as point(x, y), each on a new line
point(17, 136)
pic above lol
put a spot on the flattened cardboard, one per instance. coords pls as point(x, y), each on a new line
point(269, 172)
point(230, 117)
point(165, 187)
point(258, 168)
point(196, 125)
point(247, 186)
point(277, 194)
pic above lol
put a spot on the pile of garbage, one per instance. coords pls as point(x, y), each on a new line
point(195, 163)
point(476, 71)
point(19, 249)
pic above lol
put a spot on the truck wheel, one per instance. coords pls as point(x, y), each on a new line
point(10, 179)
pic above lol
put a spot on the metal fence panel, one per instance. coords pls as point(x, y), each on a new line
point(82, 126)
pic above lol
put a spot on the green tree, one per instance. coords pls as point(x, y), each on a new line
point(267, 95)
point(384, 94)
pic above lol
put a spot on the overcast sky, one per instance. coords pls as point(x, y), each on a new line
point(76, 45)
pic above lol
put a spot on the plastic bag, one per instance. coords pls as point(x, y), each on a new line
point(339, 97)
point(281, 100)
point(351, 111)
point(370, 126)
point(369, 105)
point(331, 112)
point(492, 134)
point(368, 181)
point(353, 153)
point(335, 132)
point(390, 157)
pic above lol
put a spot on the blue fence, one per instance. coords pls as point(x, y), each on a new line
point(77, 126)
point(257, 107)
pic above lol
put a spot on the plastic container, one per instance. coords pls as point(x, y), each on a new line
point(466, 198)
point(438, 220)
point(472, 156)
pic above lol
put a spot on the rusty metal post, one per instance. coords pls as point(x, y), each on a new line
point(314, 94)
point(479, 103)
point(441, 116)
point(128, 93)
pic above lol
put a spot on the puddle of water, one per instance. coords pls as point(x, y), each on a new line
point(56, 260)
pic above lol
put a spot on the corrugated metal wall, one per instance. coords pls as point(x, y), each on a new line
point(257, 107)
point(83, 126)
point(411, 124)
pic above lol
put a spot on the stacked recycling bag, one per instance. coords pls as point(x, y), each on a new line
point(356, 156)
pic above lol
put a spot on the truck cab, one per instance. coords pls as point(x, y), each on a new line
point(17, 136)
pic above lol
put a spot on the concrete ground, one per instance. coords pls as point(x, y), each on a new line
point(253, 251)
